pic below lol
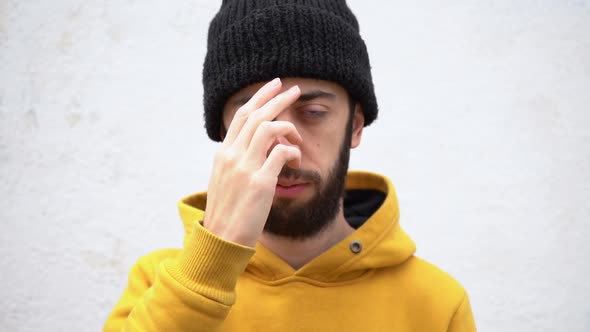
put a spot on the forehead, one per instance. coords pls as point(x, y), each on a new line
point(305, 84)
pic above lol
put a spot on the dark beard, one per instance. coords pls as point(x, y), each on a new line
point(303, 221)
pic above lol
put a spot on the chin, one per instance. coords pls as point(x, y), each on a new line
point(289, 202)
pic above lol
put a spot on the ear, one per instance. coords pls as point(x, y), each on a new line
point(358, 123)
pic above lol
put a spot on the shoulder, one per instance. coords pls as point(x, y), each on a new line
point(431, 282)
point(431, 291)
point(429, 273)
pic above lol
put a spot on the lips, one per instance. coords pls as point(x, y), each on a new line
point(289, 183)
point(290, 187)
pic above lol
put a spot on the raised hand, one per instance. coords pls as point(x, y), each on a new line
point(247, 166)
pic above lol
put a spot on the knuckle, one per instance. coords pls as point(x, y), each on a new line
point(242, 112)
point(289, 125)
point(218, 157)
point(267, 126)
point(241, 172)
point(226, 157)
point(259, 182)
point(255, 100)
point(274, 128)
point(231, 158)
point(257, 116)
point(282, 150)
point(255, 181)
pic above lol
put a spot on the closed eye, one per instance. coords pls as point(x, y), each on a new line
point(312, 113)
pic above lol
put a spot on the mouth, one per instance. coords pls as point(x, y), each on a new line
point(290, 187)
point(284, 182)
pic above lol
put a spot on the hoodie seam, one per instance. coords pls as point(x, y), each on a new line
point(311, 281)
point(453, 316)
point(265, 266)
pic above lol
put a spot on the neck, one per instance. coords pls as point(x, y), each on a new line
point(297, 252)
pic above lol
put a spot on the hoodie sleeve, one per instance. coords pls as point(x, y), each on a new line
point(462, 320)
point(192, 291)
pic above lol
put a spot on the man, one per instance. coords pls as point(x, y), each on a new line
point(284, 239)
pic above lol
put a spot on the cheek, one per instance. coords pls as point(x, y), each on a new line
point(320, 153)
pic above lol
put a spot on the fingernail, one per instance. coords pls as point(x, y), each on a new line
point(275, 82)
point(294, 89)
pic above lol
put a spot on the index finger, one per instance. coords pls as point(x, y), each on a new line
point(268, 112)
point(261, 97)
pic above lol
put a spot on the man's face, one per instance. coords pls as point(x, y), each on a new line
point(307, 199)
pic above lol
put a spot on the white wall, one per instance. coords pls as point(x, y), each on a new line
point(484, 128)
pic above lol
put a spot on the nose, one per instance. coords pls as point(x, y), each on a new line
point(286, 116)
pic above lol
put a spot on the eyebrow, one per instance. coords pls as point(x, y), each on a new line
point(310, 95)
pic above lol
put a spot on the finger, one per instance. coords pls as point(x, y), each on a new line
point(261, 97)
point(279, 156)
point(268, 112)
point(267, 134)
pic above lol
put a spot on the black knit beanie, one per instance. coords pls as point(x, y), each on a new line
point(252, 41)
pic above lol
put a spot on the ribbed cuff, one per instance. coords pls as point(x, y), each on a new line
point(210, 266)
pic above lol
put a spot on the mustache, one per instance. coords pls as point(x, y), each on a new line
point(291, 173)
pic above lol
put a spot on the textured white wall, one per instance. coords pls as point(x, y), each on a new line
point(484, 128)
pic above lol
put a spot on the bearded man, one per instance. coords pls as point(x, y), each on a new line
point(285, 238)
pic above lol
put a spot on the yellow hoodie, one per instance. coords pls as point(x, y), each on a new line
point(370, 281)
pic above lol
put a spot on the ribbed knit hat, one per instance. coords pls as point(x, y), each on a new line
point(252, 41)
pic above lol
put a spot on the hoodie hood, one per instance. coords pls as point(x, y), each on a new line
point(370, 206)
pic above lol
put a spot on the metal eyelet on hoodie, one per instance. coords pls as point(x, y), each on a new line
point(356, 246)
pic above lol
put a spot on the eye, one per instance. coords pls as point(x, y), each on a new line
point(312, 113)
